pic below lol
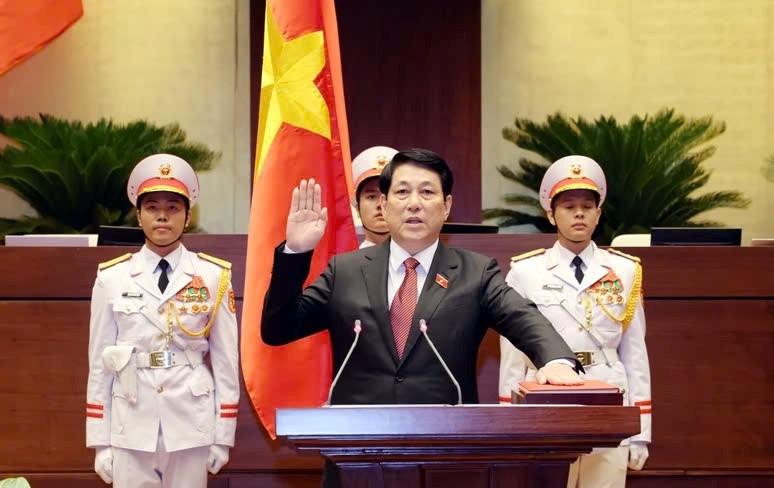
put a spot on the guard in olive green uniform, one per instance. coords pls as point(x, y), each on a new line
point(157, 413)
point(593, 298)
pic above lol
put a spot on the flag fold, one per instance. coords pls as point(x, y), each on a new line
point(302, 133)
point(26, 26)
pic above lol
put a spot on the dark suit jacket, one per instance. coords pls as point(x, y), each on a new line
point(354, 287)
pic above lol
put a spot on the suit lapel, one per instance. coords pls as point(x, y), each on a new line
point(595, 273)
point(446, 264)
point(181, 276)
point(374, 271)
point(559, 269)
point(144, 277)
point(598, 268)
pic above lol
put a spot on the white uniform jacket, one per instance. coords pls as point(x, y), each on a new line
point(128, 401)
point(599, 301)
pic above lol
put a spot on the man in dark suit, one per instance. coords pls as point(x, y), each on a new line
point(390, 287)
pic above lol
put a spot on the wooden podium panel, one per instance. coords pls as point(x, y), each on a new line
point(395, 446)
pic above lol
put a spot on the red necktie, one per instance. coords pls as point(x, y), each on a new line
point(403, 306)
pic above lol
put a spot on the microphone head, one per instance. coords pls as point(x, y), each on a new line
point(422, 325)
point(357, 326)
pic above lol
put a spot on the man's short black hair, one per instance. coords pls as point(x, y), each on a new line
point(419, 157)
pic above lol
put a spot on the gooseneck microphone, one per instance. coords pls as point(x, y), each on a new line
point(344, 363)
point(423, 329)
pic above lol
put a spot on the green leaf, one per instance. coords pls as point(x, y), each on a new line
point(653, 166)
point(74, 175)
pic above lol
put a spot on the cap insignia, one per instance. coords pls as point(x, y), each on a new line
point(576, 171)
point(381, 161)
point(165, 171)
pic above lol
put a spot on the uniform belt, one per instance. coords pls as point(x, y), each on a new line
point(592, 358)
point(167, 359)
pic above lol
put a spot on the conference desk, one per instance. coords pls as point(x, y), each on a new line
point(710, 335)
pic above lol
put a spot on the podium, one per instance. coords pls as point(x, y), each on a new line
point(497, 446)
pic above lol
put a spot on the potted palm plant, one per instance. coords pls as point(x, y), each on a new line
point(653, 166)
point(74, 175)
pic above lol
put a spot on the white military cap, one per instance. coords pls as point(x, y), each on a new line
point(370, 163)
point(163, 172)
point(572, 173)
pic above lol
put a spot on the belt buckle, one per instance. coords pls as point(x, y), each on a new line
point(161, 359)
point(584, 357)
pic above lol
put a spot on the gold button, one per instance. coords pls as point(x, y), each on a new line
point(160, 389)
point(580, 300)
point(161, 309)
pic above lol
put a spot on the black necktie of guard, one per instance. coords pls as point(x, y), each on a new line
point(578, 262)
point(163, 279)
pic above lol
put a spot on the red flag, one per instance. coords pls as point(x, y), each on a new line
point(302, 133)
point(26, 26)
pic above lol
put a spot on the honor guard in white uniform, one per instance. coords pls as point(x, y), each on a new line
point(366, 168)
point(593, 297)
point(163, 385)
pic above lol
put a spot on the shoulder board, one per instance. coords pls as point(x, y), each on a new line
point(112, 262)
point(624, 255)
point(220, 262)
point(528, 254)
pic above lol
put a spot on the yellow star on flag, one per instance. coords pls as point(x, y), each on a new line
point(288, 92)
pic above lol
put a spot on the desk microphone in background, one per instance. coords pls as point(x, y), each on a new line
point(423, 329)
point(346, 359)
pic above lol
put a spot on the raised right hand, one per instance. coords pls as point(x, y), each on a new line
point(306, 220)
point(103, 463)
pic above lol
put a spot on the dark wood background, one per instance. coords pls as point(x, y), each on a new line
point(412, 78)
point(710, 314)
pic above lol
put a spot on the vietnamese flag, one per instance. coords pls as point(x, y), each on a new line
point(302, 133)
point(26, 26)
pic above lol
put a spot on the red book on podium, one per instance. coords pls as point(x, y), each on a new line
point(591, 392)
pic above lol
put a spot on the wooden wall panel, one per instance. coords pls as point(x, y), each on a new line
point(42, 395)
point(699, 480)
point(86, 480)
point(42, 408)
point(712, 400)
point(699, 398)
point(312, 480)
point(710, 333)
point(708, 272)
point(78, 266)
point(274, 480)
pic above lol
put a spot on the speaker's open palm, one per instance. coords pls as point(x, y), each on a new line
point(307, 218)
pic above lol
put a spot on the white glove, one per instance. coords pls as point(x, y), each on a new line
point(638, 454)
point(103, 463)
point(217, 458)
point(15, 483)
